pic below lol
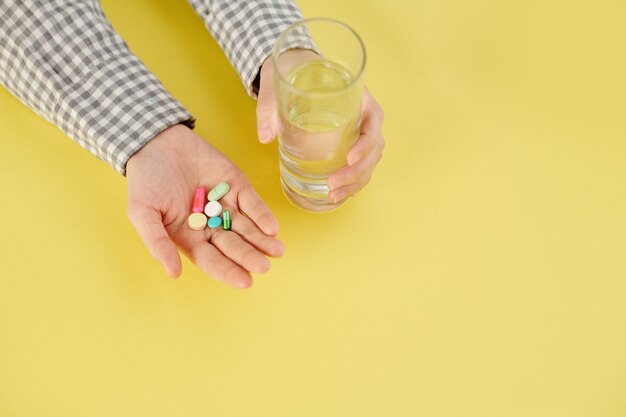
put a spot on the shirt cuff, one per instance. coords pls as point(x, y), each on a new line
point(252, 80)
point(255, 44)
point(116, 108)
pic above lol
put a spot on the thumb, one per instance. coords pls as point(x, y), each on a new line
point(149, 225)
point(266, 108)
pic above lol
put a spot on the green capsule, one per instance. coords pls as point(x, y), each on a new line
point(226, 218)
point(218, 191)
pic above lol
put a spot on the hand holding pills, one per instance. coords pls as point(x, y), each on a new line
point(177, 185)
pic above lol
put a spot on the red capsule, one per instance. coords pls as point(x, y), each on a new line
point(199, 198)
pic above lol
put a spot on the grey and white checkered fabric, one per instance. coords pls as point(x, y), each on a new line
point(246, 30)
point(64, 60)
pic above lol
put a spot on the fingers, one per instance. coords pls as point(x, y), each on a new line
point(350, 174)
point(371, 134)
point(363, 156)
point(240, 251)
point(267, 124)
point(350, 179)
point(351, 189)
point(362, 147)
point(149, 225)
point(371, 130)
point(233, 254)
point(230, 256)
point(249, 231)
point(250, 203)
point(214, 264)
point(372, 115)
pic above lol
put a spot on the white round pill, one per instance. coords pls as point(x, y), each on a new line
point(213, 208)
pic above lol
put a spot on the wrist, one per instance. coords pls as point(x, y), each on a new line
point(166, 139)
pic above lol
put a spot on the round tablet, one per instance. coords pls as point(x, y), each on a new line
point(215, 222)
point(213, 208)
point(197, 221)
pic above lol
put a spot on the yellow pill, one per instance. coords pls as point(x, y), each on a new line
point(197, 221)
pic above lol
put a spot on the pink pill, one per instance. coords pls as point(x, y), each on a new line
point(199, 198)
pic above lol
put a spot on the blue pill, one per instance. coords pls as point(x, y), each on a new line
point(215, 222)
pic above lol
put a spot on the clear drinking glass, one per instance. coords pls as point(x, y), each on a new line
point(319, 92)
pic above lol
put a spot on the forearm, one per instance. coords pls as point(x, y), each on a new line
point(65, 61)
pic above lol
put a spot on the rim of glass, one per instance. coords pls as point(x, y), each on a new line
point(305, 22)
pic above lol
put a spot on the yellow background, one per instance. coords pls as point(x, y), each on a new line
point(481, 273)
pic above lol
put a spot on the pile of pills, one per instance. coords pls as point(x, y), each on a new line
point(200, 212)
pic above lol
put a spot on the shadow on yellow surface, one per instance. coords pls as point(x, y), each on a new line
point(481, 273)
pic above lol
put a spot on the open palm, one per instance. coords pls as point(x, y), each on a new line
point(162, 178)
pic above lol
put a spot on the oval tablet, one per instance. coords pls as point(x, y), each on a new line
point(215, 222)
point(213, 208)
point(218, 191)
point(197, 221)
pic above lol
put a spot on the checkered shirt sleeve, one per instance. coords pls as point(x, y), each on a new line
point(64, 60)
point(246, 30)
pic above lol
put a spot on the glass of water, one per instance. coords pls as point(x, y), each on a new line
point(319, 92)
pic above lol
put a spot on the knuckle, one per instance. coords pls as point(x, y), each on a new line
point(244, 226)
point(378, 110)
point(266, 103)
point(354, 191)
point(133, 215)
point(247, 190)
point(352, 177)
point(130, 216)
point(380, 147)
point(361, 184)
point(251, 259)
point(216, 238)
point(215, 235)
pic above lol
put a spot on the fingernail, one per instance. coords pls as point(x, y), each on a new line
point(333, 185)
point(281, 249)
point(243, 284)
point(266, 135)
point(170, 273)
point(339, 197)
point(356, 158)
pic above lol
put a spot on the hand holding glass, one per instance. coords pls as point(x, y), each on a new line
point(319, 106)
